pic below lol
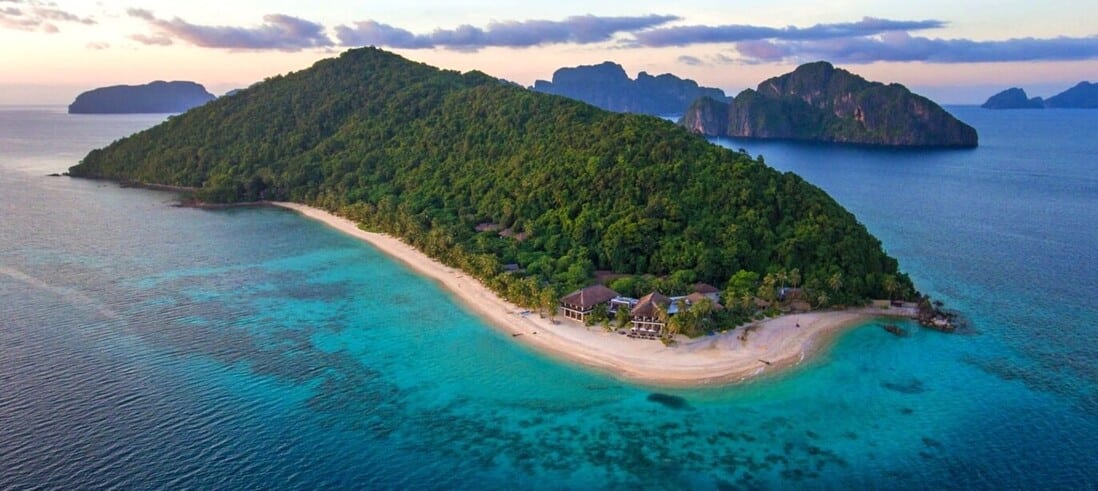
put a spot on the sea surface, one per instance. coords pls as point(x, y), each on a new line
point(147, 346)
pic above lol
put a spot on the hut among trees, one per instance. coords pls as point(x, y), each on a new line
point(710, 291)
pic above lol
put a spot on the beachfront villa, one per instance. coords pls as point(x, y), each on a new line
point(647, 318)
point(579, 304)
point(644, 313)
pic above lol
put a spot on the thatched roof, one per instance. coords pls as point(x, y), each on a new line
point(705, 288)
point(646, 306)
point(590, 296)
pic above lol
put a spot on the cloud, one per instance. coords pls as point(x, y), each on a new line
point(756, 51)
point(143, 14)
point(97, 46)
point(864, 41)
point(584, 29)
point(690, 60)
point(901, 46)
point(689, 35)
point(155, 40)
point(32, 15)
point(278, 32)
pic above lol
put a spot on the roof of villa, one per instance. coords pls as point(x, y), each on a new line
point(696, 297)
point(704, 288)
point(646, 306)
point(590, 296)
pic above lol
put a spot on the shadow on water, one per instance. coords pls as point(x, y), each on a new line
point(669, 401)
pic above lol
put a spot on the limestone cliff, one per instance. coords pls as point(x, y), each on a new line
point(819, 102)
point(607, 86)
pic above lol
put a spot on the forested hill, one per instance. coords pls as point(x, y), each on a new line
point(559, 187)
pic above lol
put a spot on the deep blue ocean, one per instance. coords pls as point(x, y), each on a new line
point(148, 346)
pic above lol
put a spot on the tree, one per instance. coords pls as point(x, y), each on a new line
point(742, 283)
point(768, 291)
point(822, 299)
point(673, 326)
point(662, 314)
point(548, 301)
point(888, 282)
point(703, 307)
point(795, 277)
point(622, 316)
point(747, 303)
point(781, 277)
point(598, 315)
point(835, 282)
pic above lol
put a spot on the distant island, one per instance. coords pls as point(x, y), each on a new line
point(1083, 95)
point(607, 86)
point(818, 102)
point(1013, 98)
point(519, 198)
point(154, 97)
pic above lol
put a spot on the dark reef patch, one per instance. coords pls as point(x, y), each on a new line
point(669, 401)
point(911, 386)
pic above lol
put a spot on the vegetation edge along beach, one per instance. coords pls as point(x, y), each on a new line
point(769, 347)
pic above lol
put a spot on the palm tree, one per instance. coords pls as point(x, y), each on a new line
point(702, 307)
point(686, 317)
point(548, 300)
point(835, 282)
point(890, 285)
point(748, 303)
point(673, 327)
point(795, 277)
point(622, 316)
point(782, 277)
point(767, 291)
point(661, 312)
point(822, 299)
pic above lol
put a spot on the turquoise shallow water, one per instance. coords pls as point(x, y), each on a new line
point(143, 345)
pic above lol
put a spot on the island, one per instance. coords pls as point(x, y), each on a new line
point(1083, 95)
point(1013, 98)
point(818, 102)
point(596, 236)
point(154, 97)
point(607, 86)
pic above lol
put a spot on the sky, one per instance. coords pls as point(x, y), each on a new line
point(953, 51)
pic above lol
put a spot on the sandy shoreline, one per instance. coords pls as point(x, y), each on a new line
point(773, 345)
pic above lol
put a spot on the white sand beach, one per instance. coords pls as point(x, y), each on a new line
point(772, 345)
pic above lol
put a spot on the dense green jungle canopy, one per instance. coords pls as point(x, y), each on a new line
point(480, 173)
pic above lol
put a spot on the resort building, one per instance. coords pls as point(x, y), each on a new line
point(646, 314)
point(708, 290)
point(617, 303)
point(580, 303)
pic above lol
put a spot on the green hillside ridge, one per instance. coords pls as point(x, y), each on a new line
point(428, 155)
point(818, 102)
